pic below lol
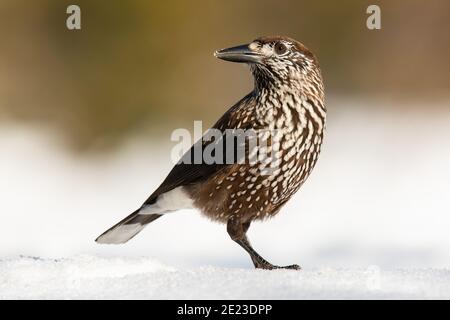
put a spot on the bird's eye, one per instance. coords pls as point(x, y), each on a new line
point(280, 48)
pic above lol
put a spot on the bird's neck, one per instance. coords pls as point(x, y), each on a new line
point(306, 85)
point(298, 99)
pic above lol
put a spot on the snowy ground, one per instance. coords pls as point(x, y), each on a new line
point(378, 197)
point(89, 277)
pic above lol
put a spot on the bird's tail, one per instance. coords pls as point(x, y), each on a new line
point(127, 228)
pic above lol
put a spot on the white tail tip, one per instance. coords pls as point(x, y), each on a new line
point(120, 234)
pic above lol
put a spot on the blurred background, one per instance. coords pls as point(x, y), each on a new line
point(86, 118)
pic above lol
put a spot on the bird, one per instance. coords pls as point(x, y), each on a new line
point(287, 98)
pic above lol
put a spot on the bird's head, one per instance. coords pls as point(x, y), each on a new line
point(275, 60)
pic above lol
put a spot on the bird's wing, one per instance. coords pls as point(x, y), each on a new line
point(186, 172)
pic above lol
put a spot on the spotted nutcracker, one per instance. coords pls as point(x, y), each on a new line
point(288, 98)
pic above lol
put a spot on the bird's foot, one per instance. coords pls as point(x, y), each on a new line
point(268, 266)
point(291, 267)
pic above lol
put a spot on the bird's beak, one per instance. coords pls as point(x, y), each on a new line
point(239, 54)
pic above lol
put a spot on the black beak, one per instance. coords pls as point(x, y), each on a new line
point(239, 54)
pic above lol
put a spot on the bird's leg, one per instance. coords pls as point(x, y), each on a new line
point(237, 231)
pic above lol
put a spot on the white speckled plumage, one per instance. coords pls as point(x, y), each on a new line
point(287, 110)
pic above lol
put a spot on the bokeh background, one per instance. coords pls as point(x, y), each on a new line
point(86, 118)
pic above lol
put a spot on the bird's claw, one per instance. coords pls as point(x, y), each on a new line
point(269, 266)
point(292, 267)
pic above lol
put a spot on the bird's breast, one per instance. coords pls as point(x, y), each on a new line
point(258, 189)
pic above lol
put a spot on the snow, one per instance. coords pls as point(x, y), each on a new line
point(377, 200)
point(91, 277)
